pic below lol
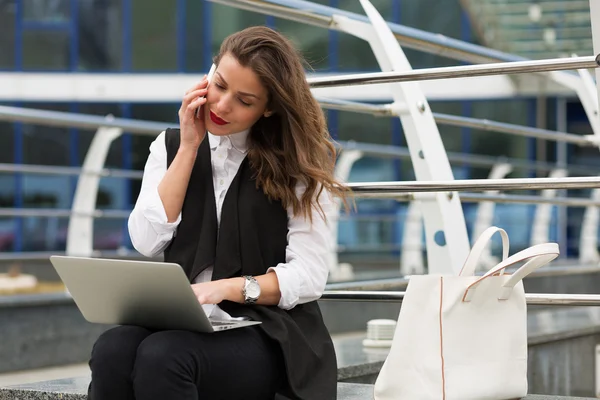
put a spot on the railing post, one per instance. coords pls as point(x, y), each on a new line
point(446, 232)
point(80, 236)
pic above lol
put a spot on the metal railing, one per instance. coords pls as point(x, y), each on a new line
point(402, 191)
point(325, 17)
point(419, 190)
point(69, 171)
point(465, 198)
point(387, 110)
point(71, 120)
point(467, 71)
point(546, 299)
point(391, 189)
point(397, 190)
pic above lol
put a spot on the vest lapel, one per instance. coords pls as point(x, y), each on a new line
point(205, 252)
point(228, 260)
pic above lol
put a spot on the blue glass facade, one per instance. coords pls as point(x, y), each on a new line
point(181, 36)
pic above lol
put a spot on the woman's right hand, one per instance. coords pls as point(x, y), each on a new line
point(192, 126)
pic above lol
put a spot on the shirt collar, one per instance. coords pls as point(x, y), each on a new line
point(239, 141)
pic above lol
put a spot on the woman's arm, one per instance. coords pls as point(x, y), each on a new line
point(302, 278)
point(149, 226)
point(231, 289)
point(173, 186)
point(157, 211)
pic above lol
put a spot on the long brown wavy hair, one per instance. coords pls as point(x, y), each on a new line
point(293, 145)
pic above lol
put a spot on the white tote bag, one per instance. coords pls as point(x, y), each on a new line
point(464, 337)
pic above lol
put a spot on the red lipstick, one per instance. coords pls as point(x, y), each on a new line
point(217, 120)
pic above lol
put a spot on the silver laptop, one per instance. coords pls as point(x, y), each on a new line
point(155, 295)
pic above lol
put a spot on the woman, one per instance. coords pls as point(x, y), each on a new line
point(260, 181)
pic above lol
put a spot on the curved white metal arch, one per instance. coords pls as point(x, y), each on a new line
point(80, 234)
point(446, 233)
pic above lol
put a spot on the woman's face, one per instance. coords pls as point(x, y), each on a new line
point(235, 100)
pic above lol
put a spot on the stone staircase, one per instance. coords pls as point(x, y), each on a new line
point(533, 29)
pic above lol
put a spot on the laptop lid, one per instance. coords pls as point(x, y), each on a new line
point(156, 295)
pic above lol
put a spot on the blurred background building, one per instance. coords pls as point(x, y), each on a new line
point(161, 39)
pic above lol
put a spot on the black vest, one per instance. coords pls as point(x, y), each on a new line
point(251, 237)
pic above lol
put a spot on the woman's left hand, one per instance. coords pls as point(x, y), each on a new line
point(214, 292)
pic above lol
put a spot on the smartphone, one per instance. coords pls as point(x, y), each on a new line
point(211, 72)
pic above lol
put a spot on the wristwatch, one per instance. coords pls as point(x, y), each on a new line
point(251, 290)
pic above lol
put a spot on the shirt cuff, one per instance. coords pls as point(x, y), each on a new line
point(155, 214)
point(289, 291)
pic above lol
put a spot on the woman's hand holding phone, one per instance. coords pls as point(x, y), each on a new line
point(191, 115)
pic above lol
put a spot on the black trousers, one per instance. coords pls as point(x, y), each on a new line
point(130, 362)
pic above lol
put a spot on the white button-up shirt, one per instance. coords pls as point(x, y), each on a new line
point(302, 277)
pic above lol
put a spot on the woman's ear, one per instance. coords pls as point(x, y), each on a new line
point(267, 114)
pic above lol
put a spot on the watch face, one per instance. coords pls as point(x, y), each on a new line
point(253, 290)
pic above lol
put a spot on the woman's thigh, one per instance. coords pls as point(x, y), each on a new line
point(118, 345)
point(236, 364)
point(112, 361)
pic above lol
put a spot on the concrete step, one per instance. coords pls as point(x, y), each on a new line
point(76, 389)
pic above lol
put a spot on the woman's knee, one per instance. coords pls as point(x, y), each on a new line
point(117, 346)
point(161, 351)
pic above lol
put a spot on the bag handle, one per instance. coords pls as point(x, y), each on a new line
point(538, 256)
point(470, 264)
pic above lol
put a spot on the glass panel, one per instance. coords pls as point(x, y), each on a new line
point(7, 183)
point(100, 35)
point(500, 144)
point(419, 15)
point(154, 35)
point(369, 233)
point(109, 234)
point(46, 191)
point(364, 128)
point(141, 143)
point(355, 53)
point(45, 145)
point(384, 7)
point(50, 234)
point(45, 233)
point(194, 32)
point(7, 34)
point(7, 142)
point(578, 123)
point(7, 233)
point(452, 137)
point(114, 159)
point(46, 10)
point(312, 41)
point(45, 50)
point(7, 194)
point(515, 218)
point(230, 20)
point(110, 193)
